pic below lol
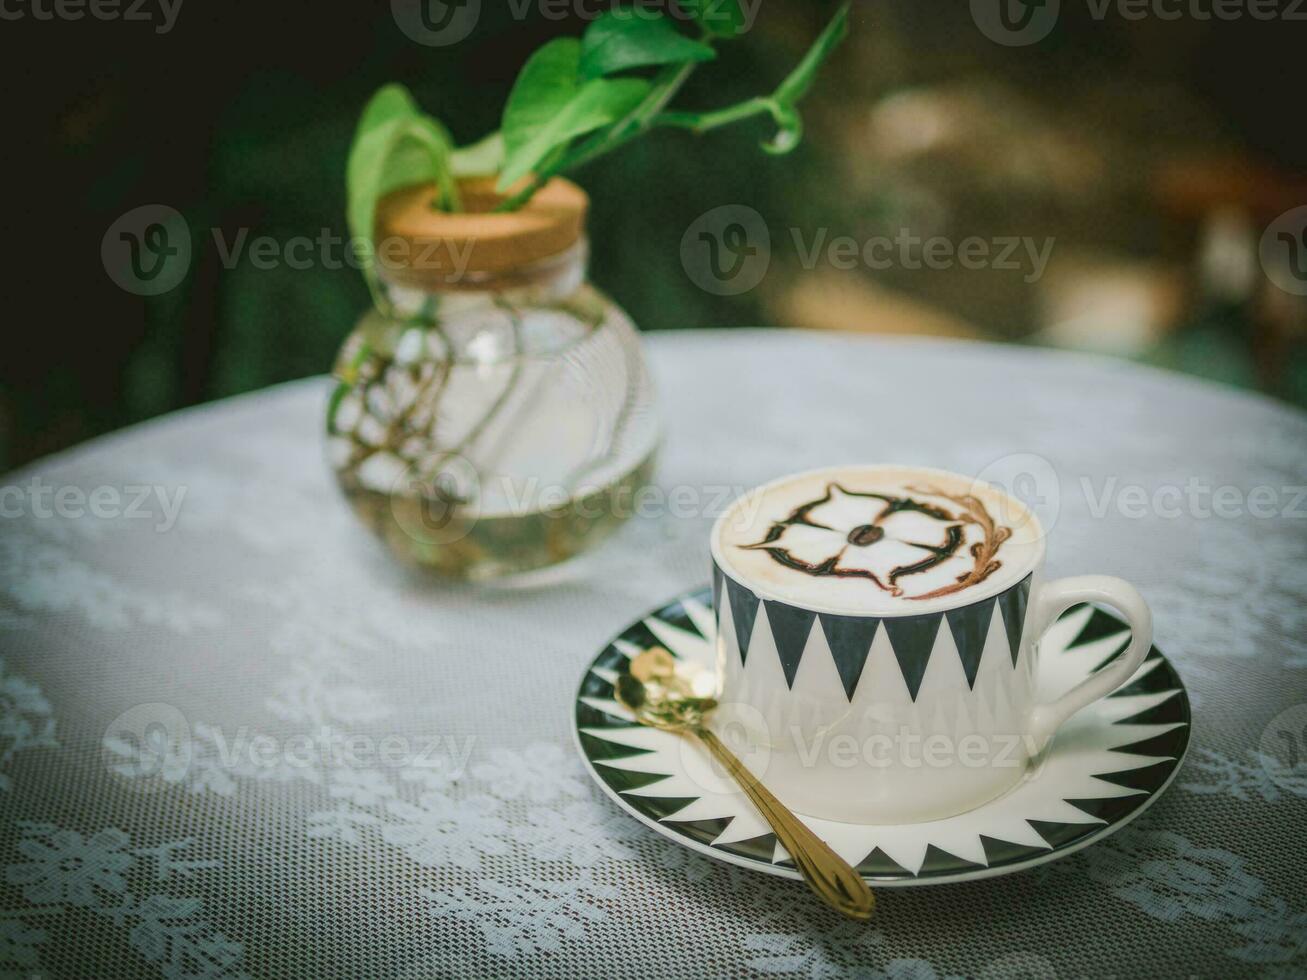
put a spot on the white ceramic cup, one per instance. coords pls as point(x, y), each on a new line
point(874, 708)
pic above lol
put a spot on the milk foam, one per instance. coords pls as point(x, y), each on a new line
point(877, 539)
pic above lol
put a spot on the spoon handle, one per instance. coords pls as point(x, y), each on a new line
point(828, 874)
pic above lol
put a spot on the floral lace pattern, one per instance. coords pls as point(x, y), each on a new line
point(271, 835)
point(60, 872)
point(26, 721)
point(42, 577)
point(1170, 879)
point(1264, 777)
point(529, 916)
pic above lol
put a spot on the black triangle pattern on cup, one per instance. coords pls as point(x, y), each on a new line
point(1012, 603)
point(913, 637)
point(970, 628)
point(744, 610)
point(849, 639)
point(790, 628)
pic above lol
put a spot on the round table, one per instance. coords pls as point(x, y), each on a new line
point(236, 739)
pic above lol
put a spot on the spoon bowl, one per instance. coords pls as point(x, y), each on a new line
point(674, 696)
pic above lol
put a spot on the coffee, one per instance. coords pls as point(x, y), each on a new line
point(880, 539)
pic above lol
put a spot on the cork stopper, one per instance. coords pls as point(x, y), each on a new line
point(424, 248)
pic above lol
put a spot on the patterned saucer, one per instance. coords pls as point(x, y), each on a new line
point(1106, 766)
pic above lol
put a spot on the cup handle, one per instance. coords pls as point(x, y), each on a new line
point(1053, 599)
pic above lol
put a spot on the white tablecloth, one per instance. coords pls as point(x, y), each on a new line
point(372, 775)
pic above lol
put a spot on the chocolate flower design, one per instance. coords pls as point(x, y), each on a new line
point(884, 538)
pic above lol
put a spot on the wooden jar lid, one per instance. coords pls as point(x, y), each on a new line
point(425, 248)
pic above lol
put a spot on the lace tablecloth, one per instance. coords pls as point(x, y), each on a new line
point(356, 773)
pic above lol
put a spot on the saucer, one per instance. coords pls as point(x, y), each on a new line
point(1106, 765)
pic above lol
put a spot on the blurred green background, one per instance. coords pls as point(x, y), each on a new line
point(1154, 153)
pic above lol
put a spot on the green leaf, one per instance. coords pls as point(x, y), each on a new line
point(398, 153)
point(440, 145)
point(389, 102)
point(546, 83)
point(372, 137)
point(365, 175)
point(395, 145)
point(789, 131)
point(596, 104)
point(549, 106)
point(798, 81)
point(345, 382)
point(721, 18)
point(629, 38)
point(481, 159)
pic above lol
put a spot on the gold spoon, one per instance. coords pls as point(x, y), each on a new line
point(674, 696)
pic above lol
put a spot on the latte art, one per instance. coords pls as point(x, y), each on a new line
point(877, 537)
point(854, 554)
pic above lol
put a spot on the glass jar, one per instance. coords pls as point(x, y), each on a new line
point(494, 413)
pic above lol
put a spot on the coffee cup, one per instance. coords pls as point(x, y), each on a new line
point(877, 640)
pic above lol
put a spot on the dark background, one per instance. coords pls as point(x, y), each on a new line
point(1137, 145)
